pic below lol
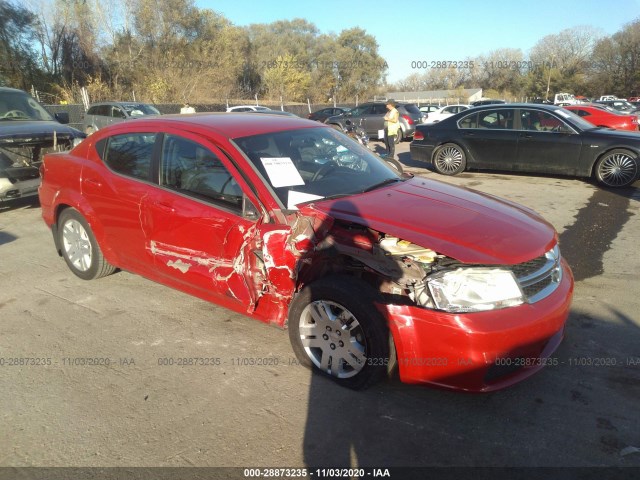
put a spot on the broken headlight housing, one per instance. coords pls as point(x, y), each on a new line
point(474, 290)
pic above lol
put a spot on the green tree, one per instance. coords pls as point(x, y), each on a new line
point(18, 63)
point(286, 78)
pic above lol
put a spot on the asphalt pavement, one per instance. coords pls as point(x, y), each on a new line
point(91, 372)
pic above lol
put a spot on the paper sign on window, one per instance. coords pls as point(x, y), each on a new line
point(282, 172)
point(295, 198)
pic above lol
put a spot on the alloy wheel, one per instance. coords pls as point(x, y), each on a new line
point(449, 159)
point(617, 169)
point(77, 245)
point(333, 339)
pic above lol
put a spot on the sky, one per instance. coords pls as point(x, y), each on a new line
point(429, 30)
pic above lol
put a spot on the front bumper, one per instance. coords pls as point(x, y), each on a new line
point(483, 351)
point(20, 189)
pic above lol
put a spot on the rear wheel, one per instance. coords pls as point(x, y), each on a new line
point(449, 159)
point(617, 168)
point(80, 249)
point(399, 136)
point(336, 330)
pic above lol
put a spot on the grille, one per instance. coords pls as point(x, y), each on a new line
point(539, 277)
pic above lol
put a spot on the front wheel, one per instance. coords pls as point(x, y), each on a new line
point(617, 168)
point(336, 330)
point(80, 249)
point(449, 159)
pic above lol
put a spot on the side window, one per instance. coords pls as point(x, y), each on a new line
point(192, 169)
point(93, 110)
point(470, 121)
point(356, 112)
point(102, 110)
point(117, 112)
point(130, 154)
point(530, 120)
point(496, 119)
point(379, 110)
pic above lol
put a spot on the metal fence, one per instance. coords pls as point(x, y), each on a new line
point(76, 111)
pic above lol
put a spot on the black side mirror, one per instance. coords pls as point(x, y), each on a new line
point(249, 210)
point(62, 117)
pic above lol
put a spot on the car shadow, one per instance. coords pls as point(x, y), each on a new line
point(576, 412)
point(27, 202)
point(6, 237)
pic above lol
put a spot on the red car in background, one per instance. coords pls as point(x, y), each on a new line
point(603, 118)
point(294, 224)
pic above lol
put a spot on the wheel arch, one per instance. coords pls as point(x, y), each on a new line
point(77, 202)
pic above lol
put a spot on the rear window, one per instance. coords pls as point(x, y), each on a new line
point(412, 108)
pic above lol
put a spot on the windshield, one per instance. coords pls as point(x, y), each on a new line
point(314, 163)
point(140, 109)
point(20, 106)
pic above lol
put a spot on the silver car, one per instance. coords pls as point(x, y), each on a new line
point(100, 115)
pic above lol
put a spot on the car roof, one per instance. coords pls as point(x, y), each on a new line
point(228, 124)
point(118, 103)
point(503, 106)
point(14, 90)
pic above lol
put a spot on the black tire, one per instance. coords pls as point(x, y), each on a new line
point(399, 136)
point(79, 247)
point(617, 168)
point(449, 159)
point(355, 357)
point(395, 164)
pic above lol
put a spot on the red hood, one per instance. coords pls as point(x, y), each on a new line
point(457, 222)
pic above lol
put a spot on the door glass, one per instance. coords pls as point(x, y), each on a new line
point(130, 154)
point(470, 121)
point(496, 119)
point(194, 170)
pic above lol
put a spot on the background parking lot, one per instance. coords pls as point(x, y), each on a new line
point(123, 371)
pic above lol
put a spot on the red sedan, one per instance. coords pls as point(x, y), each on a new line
point(603, 118)
point(294, 224)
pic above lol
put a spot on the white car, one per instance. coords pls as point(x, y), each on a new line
point(248, 108)
point(445, 112)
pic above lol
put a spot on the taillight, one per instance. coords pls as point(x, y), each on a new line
point(408, 119)
point(418, 135)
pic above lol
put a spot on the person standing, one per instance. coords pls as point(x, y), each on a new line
point(391, 127)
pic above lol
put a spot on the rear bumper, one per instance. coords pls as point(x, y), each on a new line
point(420, 153)
point(484, 351)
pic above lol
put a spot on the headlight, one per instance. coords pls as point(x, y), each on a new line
point(474, 290)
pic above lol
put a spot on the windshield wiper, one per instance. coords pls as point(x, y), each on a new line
point(382, 184)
